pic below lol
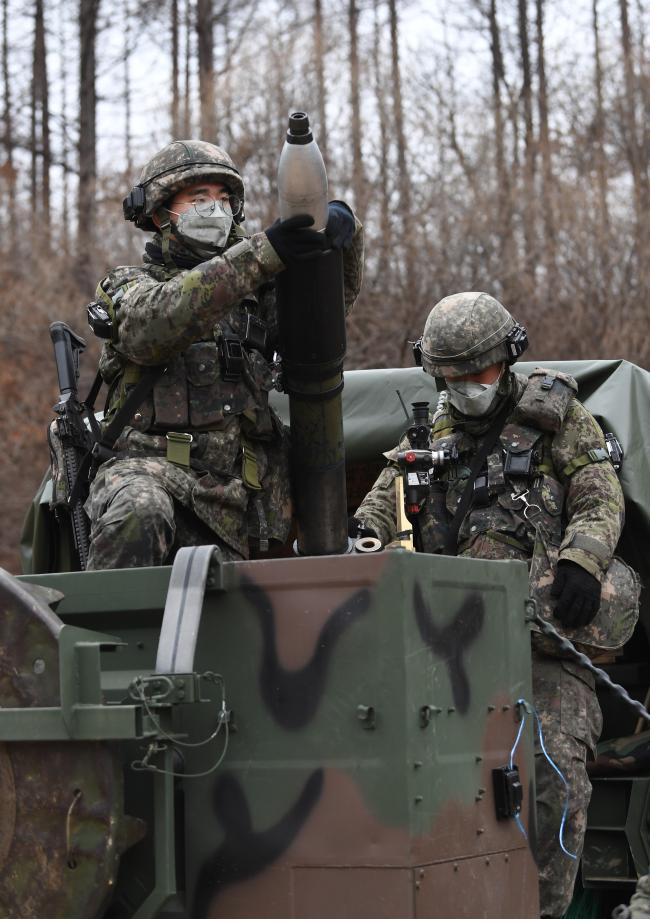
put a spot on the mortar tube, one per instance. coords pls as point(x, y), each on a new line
point(312, 343)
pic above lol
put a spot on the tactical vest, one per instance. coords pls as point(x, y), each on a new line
point(206, 386)
point(519, 491)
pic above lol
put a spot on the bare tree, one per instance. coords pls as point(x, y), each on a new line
point(545, 148)
point(528, 204)
point(187, 98)
point(319, 56)
point(205, 40)
point(175, 103)
point(8, 169)
point(88, 11)
point(40, 131)
point(358, 173)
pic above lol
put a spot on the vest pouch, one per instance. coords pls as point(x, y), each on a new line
point(170, 398)
point(615, 620)
point(546, 399)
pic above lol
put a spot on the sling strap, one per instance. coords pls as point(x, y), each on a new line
point(490, 439)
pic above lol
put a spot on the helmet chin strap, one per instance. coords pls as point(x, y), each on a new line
point(166, 233)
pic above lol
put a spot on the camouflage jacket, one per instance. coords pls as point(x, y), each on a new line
point(572, 492)
point(187, 320)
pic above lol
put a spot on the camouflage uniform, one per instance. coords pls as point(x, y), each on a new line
point(575, 513)
point(184, 314)
point(639, 907)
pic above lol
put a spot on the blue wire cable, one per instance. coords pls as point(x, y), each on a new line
point(565, 812)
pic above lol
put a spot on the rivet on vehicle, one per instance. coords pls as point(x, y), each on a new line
point(479, 759)
point(491, 708)
point(418, 799)
point(451, 710)
point(487, 861)
point(38, 666)
point(480, 830)
point(417, 764)
point(455, 866)
point(505, 708)
point(421, 872)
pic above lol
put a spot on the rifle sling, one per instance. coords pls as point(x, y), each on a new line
point(104, 442)
point(490, 439)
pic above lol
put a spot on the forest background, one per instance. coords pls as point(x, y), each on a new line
point(499, 145)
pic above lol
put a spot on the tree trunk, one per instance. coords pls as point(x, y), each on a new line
point(126, 93)
point(358, 177)
point(65, 140)
point(187, 89)
point(384, 141)
point(599, 126)
point(40, 132)
point(635, 151)
point(88, 10)
point(320, 78)
point(403, 181)
point(528, 205)
point(504, 213)
point(175, 103)
point(548, 189)
point(8, 170)
point(205, 39)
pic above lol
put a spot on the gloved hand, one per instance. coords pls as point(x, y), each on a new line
point(358, 529)
point(293, 241)
point(577, 593)
point(340, 225)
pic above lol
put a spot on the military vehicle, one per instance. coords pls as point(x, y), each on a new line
point(309, 737)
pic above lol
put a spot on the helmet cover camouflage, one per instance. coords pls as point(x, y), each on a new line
point(467, 332)
point(182, 163)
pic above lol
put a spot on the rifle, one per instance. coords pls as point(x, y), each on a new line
point(75, 438)
point(417, 482)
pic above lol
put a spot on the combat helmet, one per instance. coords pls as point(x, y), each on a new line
point(466, 332)
point(177, 165)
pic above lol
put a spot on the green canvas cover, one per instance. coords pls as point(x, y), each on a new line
point(616, 392)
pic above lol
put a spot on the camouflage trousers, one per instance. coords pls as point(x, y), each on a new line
point(135, 523)
point(571, 720)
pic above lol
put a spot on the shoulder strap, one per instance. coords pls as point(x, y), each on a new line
point(490, 439)
point(103, 442)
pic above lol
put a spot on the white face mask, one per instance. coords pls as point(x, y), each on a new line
point(206, 229)
point(474, 399)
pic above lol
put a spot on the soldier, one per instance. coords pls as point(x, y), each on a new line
point(199, 457)
point(542, 489)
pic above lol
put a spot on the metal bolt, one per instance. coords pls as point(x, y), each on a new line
point(201, 367)
point(451, 710)
point(417, 763)
point(181, 694)
point(180, 683)
point(421, 872)
point(491, 708)
point(140, 645)
point(137, 416)
point(226, 407)
point(479, 759)
point(418, 799)
point(417, 885)
point(480, 830)
point(487, 861)
point(455, 866)
point(505, 708)
point(507, 857)
point(39, 666)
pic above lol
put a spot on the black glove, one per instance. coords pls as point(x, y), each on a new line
point(293, 241)
point(358, 529)
point(577, 593)
point(340, 225)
